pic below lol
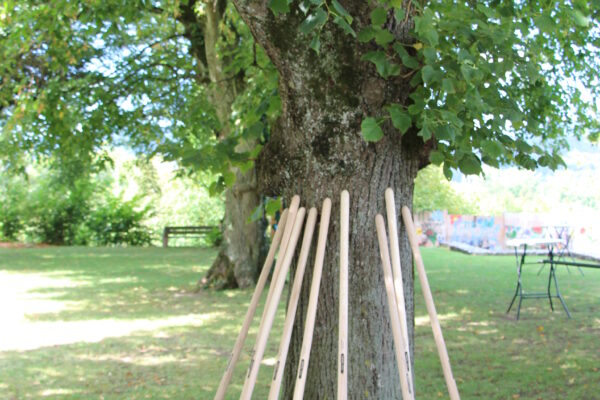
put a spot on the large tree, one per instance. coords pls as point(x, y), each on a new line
point(373, 91)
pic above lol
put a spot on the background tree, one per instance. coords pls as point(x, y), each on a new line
point(178, 78)
point(434, 192)
point(454, 83)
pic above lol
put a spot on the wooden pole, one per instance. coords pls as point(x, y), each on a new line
point(271, 308)
point(311, 312)
point(292, 305)
point(398, 281)
point(342, 392)
point(262, 279)
point(399, 342)
point(435, 323)
point(287, 233)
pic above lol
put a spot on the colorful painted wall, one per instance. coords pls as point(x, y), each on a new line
point(582, 232)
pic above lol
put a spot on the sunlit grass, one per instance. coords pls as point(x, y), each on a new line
point(125, 323)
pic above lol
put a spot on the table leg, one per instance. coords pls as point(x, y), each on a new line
point(550, 275)
point(513, 299)
point(562, 301)
point(519, 289)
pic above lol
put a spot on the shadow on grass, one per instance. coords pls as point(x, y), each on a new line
point(118, 323)
point(119, 283)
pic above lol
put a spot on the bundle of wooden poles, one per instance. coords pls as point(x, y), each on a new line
point(285, 240)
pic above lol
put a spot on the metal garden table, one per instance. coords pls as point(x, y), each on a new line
point(549, 243)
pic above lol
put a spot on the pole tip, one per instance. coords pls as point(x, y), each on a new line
point(295, 201)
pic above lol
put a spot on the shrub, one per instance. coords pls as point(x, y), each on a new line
point(117, 221)
point(13, 193)
point(56, 209)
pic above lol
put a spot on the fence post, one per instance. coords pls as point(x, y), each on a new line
point(165, 238)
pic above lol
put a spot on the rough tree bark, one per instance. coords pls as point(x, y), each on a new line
point(317, 151)
point(238, 260)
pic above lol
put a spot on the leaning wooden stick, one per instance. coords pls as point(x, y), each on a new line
point(313, 298)
point(292, 305)
point(271, 308)
point(342, 392)
point(435, 324)
point(239, 343)
point(390, 205)
point(399, 341)
point(287, 233)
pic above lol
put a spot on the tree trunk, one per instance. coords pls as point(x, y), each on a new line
point(317, 151)
point(243, 244)
point(240, 253)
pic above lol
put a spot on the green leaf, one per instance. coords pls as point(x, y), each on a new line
point(580, 19)
point(415, 109)
point(445, 131)
point(545, 23)
point(399, 12)
point(468, 72)
point(341, 22)
point(383, 37)
point(436, 157)
point(341, 11)
point(378, 16)
point(523, 146)
point(425, 29)
point(217, 187)
point(448, 86)
point(257, 214)
point(492, 148)
point(370, 130)
point(485, 10)
point(428, 73)
point(430, 36)
point(410, 62)
point(525, 161)
point(273, 205)
point(314, 21)
point(447, 171)
point(430, 54)
point(490, 161)
point(400, 50)
point(228, 178)
point(366, 34)
point(400, 118)
point(425, 132)
point(279, 6)
point(384, 67)
point(247, 166)
point(469, 164)
point(315, 43)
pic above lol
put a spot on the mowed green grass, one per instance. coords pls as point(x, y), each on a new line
point(125, 323)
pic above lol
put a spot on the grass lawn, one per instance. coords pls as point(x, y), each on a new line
point(124, 323)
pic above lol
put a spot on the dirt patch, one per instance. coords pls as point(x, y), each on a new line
point(17, 245)
point(11, 245)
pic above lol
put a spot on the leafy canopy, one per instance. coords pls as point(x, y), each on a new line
point(494, 82)
point(75, 76)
